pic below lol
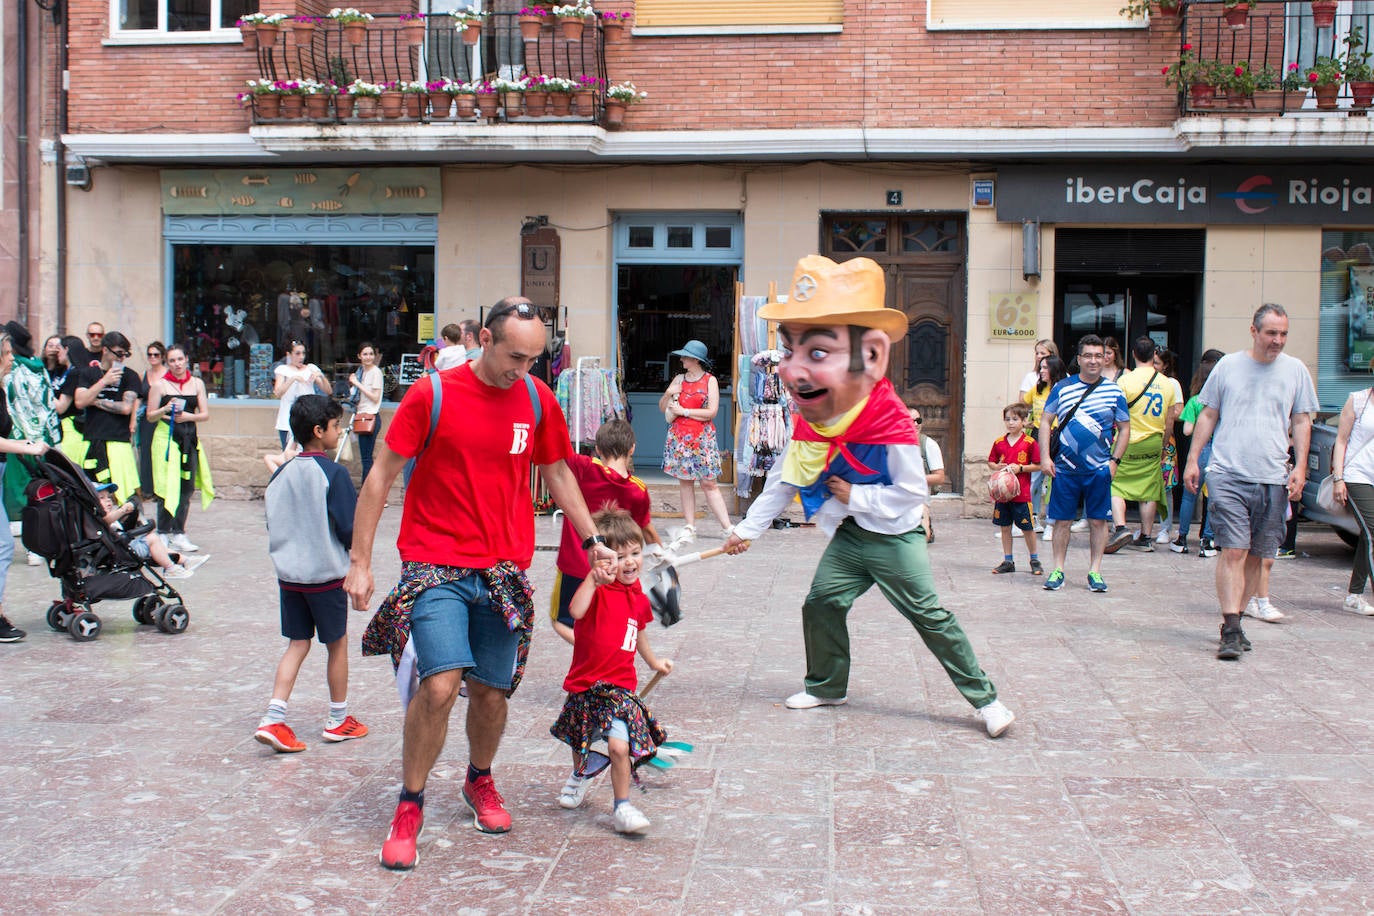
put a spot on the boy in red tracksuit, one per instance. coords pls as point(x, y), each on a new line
point(1021, 453)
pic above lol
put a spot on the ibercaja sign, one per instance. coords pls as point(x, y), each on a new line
point(1260, 194)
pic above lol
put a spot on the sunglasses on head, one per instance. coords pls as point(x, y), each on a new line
point(521, 310)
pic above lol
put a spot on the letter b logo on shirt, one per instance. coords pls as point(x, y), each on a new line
point(520, 437)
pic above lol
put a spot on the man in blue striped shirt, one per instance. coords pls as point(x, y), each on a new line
point(1095, 430)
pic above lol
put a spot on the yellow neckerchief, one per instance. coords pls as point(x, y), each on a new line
point(806, 460)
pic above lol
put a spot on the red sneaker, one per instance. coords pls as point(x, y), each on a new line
point(398, 852)
point(489, 813)
point(348, 728)
point(280, 736)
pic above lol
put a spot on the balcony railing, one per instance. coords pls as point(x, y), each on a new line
point(387, 54)
point(1275, 35)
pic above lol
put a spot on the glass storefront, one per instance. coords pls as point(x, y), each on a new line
point(237, 307)
point(1345, 357)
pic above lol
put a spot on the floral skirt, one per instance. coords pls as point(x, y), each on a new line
point(587, 717)
point(692, 458)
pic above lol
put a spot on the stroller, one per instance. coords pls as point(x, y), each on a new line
point(63, 522)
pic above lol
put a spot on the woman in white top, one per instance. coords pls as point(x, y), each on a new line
point(1043, 347)
point(367, 385)
point(1352, 470)
point(294, 378)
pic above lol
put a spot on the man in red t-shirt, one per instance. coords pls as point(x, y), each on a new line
point(604, 479)
point(467, 535)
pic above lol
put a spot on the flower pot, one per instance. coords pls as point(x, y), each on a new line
point(267, 105)
point(612, 30)
point(1236, 16)
point(1169, 9)
point(413, 30)
point(1239, 100)
point(292, 106)
point(316, 106)
point(1326, 96)
point(249, 34)
point(513, 103)
point(488, 103)
point(440, 104)
point(302, 33)
point(267, 35)
point(1200, 95)
point(529, 27)
point(365, 106)
point(355, 33)
point(536, 103)
point(1269, 101)
point(464, 106)
point(584, 103)
point(392, 105)
point(1323, 13)
point(472, 33)
point(570, 27)
point(560, 104)
point(1361, 97)
point(343, 106)
point(615, 114)
point(410, 104)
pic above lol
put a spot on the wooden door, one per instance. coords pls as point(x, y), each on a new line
point(923, 257)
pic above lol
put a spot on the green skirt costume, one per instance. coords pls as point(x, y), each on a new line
point(1138, 477)
point(73, 444)
point(171, 467)
point(120, 467)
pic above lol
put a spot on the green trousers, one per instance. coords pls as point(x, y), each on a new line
point(899, 565)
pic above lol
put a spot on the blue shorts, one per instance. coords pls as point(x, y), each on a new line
point(1093, 490)
point(140, 547)
point(564, 587)
point(1004, 515)
point(304, 614)
point(455, 625)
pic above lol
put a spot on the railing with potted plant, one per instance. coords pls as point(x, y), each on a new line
point(431, 58)
point(1269, 57)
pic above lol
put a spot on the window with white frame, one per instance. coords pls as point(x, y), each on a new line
point(177, 16)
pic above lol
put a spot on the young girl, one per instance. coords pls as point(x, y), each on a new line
point(611, 611)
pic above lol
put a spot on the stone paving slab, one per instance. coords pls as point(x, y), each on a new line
point(1142, 776)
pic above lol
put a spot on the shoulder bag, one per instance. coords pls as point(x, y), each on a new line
point(1064, 420)
point(1326, 491)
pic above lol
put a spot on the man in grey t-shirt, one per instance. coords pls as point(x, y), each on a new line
point(1250, 401)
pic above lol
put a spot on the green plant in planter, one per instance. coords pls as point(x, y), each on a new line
point(1325, 71)
point(1294, 79)
point(1189, 70)
point(1356, 66)
point(1239, 79)
point(1266, 79)
point(1136, 9)
point(1233, 4)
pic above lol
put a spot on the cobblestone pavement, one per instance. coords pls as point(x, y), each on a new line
point(1142, 776)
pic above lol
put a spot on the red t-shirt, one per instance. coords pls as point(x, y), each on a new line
point(468, 503)
point(599, 485)
point(1023, 451)
point(607, 637)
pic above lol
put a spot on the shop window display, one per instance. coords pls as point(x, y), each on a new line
point(1345, 357)
point(236, 308)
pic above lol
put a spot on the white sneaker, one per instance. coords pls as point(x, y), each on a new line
point(16, 528)
point(1165, 536)
point(1267, 612)
point(1357, 604)
point(194, 563)
point(35, 559)
point(176, 571)
point(629, 819)
point(574, 792)
point(182, 543)
point(1080, 525)
point(805, 700)
point(997, 718)
point(686, 535)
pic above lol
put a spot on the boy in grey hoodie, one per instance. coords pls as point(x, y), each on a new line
point(310, 502)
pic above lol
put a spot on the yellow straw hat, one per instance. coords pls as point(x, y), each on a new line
point(829, 293)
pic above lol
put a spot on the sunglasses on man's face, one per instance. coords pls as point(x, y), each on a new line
point(120, 354)
point(93, 336)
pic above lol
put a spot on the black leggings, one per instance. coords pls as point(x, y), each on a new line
point(1362, 503)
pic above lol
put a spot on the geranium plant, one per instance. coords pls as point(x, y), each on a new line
point(412, 17)
point(574, 11)
point(345, 15)
point(259, 87)
point(365, 90)
point(1266, 79)
point(262, 19)
point(625, 93)
point(1137, 9)
point(1233, 4)
point(504, 85)
point(1356, 65)
point(1239, 80)
point(623, 18)
point(583, 82)
point(1325, 71)
point(533, 11)
point(1294, 80)
point(1188, 70)
point(559, 84)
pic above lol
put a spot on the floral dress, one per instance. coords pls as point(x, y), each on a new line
point(691, 452)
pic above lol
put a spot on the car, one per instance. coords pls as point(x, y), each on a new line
point(1318, 469)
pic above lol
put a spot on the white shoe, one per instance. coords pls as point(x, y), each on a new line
point(805, 700)
point(1268, 613)
point(1164, 536)
point(1357, 604)
point(182, 543)
point(1080, 525)
point(574, 792)
point(16, 528)
point(176, 571)
point(629, 819)
point(194, 563)
point(997, 718)
point(35, 559)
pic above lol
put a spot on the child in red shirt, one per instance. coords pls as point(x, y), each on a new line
point(603, 480)
point(1022, 454)
point(611, 611)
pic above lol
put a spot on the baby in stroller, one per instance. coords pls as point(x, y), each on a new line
point(150, 544)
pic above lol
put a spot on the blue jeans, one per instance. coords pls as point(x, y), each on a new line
point(454, 625)
point(366, 442)
point(6, 555)
point(1189, 504)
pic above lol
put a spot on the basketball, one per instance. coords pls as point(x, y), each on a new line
point(1003, 486)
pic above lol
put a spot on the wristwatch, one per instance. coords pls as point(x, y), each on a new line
point(594, 539)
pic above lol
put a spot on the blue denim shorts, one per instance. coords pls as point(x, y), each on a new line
point(455, 625)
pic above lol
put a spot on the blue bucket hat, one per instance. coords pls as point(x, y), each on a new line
point(694, 349)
